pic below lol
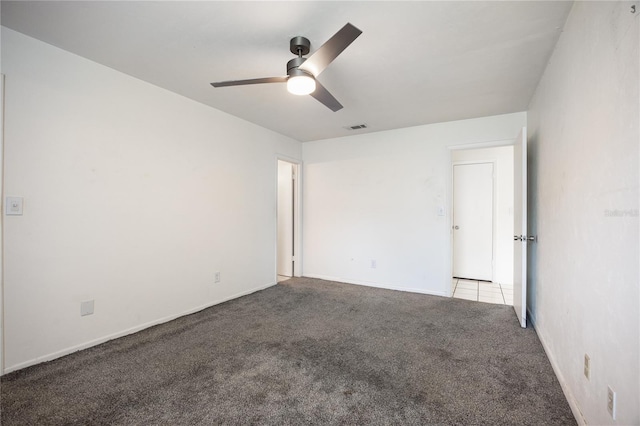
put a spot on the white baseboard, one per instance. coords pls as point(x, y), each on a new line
point(377, 285)
point(573, 403)
point(128, 331)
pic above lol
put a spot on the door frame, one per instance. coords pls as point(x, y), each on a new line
point(467, 146)
point(2, 322)
point(297, 215)
point(494, 200)
point(520, 226)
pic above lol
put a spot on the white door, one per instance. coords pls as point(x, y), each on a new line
point(520, 227)
point(285, 218)
point(473, 221)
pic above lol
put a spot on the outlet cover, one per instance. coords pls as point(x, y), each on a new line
point(86, 308)
point(217, 277)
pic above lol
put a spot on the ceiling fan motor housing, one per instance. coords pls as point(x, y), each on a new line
point(292, 67)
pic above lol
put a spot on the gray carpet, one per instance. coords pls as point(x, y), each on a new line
point(304, 352)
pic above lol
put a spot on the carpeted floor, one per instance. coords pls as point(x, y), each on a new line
point(304, 352)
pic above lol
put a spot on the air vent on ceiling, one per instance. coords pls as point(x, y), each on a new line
point(356, 127)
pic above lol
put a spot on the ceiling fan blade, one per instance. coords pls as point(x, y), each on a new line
point(321, 58)
point(326, 98)
point(251, 81)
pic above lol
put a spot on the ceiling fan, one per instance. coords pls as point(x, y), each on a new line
point(302, 72)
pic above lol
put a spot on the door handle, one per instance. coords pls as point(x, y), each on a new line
point(532, 238)
point(456, 227)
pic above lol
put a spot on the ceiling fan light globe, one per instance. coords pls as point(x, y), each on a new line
point(301, 85)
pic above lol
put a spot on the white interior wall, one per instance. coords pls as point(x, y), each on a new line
point(134, 197)
point(583, 170)
point(502, 157)
point(375, 197)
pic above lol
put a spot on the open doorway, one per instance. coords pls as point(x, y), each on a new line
point(482, 224)
point(286, 214)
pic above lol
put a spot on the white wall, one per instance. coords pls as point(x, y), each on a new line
point(583, 176)
point(134, 197)
point(376, 197)
point(502, 157)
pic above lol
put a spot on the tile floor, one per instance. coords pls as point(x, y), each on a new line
point(482, 291)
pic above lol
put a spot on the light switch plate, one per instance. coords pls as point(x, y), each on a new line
point(13, 206)
point(86, 308)
point(611, 402)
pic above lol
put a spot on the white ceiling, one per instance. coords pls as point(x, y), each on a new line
point(415, 63)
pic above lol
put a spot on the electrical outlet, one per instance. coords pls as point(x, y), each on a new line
point(611, 402)
point(587, 367)
point(374, 264)
point(217, 277)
